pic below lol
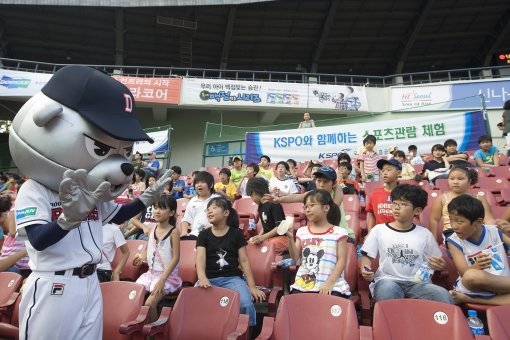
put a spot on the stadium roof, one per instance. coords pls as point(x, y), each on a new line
point(376, 37)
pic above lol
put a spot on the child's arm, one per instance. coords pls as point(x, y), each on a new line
point(257, 295)
point(124, 249)
point(203, 281)
point(488, 218)
point(184, 228)
point(176, 255)
point(445, 160)
point(261, 237)
point(338, 196)
point(370, 221)
point(294, 246)
point(483, 261)
point(503, 224)
point(292, 198)
point(365, 264)
point(341, 259)
point(496, 158)
point(11, 260)
point(362, 169)
point(436, 212)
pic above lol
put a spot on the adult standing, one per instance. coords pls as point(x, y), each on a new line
point(307, 122)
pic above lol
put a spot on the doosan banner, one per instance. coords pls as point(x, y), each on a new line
point(21, 84)
point(222, 92)
point(327, 142)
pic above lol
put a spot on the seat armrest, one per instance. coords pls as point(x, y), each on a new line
point(272, 301)
point(365, 333)
point(267, 328)
point(137, 324)
point(159, 325)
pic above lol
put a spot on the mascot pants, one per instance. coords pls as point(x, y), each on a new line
point(61, 307)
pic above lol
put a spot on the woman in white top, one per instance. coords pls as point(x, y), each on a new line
point(307, 123)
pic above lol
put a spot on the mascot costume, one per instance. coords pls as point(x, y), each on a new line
point(74, 140)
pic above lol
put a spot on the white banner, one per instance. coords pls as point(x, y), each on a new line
point(21, 84)
point(271, 94)
point(421, 98)
point(327, 142)
point(160, 145)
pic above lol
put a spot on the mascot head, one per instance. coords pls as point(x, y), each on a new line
point(81, 119)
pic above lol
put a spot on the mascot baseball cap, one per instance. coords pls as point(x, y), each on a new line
point(100, 99)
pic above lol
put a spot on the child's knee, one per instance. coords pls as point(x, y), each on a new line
point(472, 279)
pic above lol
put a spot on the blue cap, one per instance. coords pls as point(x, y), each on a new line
point(392, 162)
point(472, 312)
point(327, 172)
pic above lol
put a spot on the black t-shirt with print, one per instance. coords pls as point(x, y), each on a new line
point(221, 253)
point(270, 214)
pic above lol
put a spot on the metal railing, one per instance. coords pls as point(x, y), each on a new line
point(467, 74)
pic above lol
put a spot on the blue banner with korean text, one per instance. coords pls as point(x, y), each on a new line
point(327, 142)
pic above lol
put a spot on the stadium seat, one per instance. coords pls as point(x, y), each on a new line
point(489, 196)
point(262, 257)
point(312, 316)
point(10, 318)
point(130, 272)
point(351, 203)
point(296, 210)
point(246, 209)
point(497, 321)
point(352, 219)
point(187, 269)
point(501, 171)
point(419, 319)
point(441, 184)
point(182, 203)
point(9, 284)
point(493, 184)
point(199, 313)
point(424, 184)
point(498, 211)
point(124, 314)
point(371, 186)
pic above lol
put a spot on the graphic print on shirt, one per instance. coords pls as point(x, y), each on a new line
point(385, 208)
point(311, 264)
point(221, 254)
point(496, 260)
point(401, 254)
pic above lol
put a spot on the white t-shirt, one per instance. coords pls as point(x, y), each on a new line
point(491, 241)
point(287, 186)
point(112, 239)
point(399, 250)
point(36, 204)
point(196, 214)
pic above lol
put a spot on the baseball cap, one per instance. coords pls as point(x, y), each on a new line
point(392, 148)
point(100, 99)
point(327, 172)
point(393, 162)
point(237, 158)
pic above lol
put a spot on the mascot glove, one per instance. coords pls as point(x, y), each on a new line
point(152, 194)
point(77, 198)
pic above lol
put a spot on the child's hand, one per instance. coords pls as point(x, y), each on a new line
point(137, 260)
point(158, 289)
point(437, 263)
point(268, 198)
point(483, 261)
point(204, 283)
point(326, 288)
point(367, 273)
point(256, 239)
point(257, 295)
point(115, 276)
point(504, 226)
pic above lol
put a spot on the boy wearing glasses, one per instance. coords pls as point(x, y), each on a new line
point(408, 254)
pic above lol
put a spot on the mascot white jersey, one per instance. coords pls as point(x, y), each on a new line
point(74, 141)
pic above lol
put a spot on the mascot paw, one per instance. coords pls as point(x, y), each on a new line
point(150, 195)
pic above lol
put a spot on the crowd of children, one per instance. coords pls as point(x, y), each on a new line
point(398, 255)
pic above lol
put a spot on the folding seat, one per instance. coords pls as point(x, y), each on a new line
point(247, 210)
point(10, 318)
point(371, 186)
point(424, 184)
point(9, 284)
point(351, 203)
point(498, 211)
point(503, 159)
point(312, 316)
point(401, 319)
point(199, 313)
point(418, 168)
point(353, 222)
point(441, 184)
point(130, 272)
point(489, 196)
point(262, 259)
point(182, 203)
point(297, 211)
point(124, 314)
point(493, 184)
point(187, 269)
point(498, 325)
point(501, 171)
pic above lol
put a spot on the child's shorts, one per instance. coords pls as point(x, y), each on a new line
point(150, 278)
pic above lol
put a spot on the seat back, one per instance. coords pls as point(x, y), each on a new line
point(245, 207)
point(489, 196)
point(261, 256)
point(130, 272)
point(493, 184)
point(187, 269)
point(121, 303)
point(351, 268)
point(371, 186)
point(9, 328)
point(419, 319)
point(351, 203)
point(200, 313)
point(182, 203)
point(352, 219)
point(501, 171)
point(315, 316)
point(497, 320)
point(9, 283)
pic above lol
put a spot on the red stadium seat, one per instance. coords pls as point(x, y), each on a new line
point(199, 313)
point(296, 210)
point(489, 196)
point(262, 257)
point(187, 269)
point(182, 203)
point(124, 314)
point(441, 184)
point(498, 325)
point(501, 171)
point(371, 186)
point(246, 209)
point(312, 316)
point(419, 320)
point(351, 203)
point(353, 222)
point(9, 327)
point(9, 284)
point(130, 272)
point(493, 184)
